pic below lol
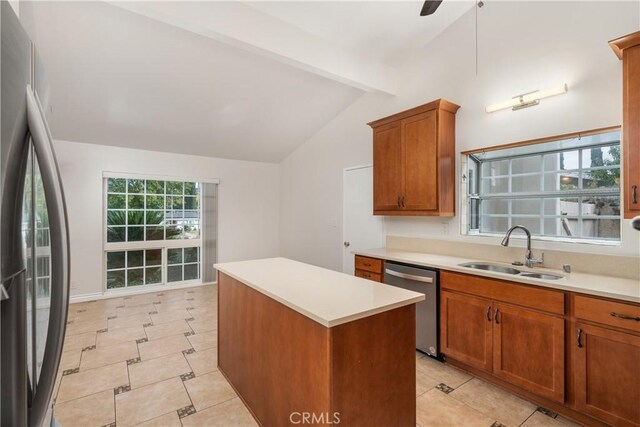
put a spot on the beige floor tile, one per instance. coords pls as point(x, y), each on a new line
point(443, 373)
point(167, 329)
point(538, 419)
point(231, 413)
point(204, 340)
point(494, 402)
point(94, 410)
point(107, 355)
point(163, 346)
point(143, 299)
point(206, 302)
point(138, 309)
point(91, 314)
point(143, 404)
point(167, 420)
point(208, 390)
point(108, 302)
point(118, 336)
point(70, 360)
point(76, 328)
point(80, 341)
point(202, 313)
point(169, 316)
point(434, 408)
point(200, 326)
point(203, 362)
point(424, 382)
point(159, 369)
point(169, 306)
point(129, 321)
point(92, 381)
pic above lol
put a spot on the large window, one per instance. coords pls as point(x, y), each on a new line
point(152, 231)
point(563, 189)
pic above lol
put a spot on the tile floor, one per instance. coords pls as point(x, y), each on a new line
point(150, 360)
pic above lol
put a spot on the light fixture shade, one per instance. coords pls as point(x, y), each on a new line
point(527, 99)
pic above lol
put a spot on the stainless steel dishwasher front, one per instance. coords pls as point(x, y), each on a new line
point(425, 281)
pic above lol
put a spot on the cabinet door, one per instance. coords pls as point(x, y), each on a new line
point(529, 350)
point(607, 374)
point(420, 162)
point(631, 130)
point(387, 167)
point(465, 329)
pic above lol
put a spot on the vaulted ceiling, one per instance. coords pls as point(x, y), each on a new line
point(239, 80)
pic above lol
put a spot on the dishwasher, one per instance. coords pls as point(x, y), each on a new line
point(424, 281)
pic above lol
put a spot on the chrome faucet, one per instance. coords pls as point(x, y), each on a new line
point(528, 256)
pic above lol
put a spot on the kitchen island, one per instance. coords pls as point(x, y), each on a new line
point(305, 345)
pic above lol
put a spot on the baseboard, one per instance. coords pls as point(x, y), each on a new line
point(138, 291)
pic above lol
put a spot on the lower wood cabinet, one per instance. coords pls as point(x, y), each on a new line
point(607, 374)
point(582, 357)
point(606, 367)
point(466, 329)
point(521, 346)
point(368, 268)
point(528, 350)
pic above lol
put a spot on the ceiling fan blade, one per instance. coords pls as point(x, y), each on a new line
point(429, 7)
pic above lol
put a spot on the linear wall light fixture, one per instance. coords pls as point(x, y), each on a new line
point(527, 99)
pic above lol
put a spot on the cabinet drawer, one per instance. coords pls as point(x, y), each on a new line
point(369, 275)
point(607, 312)
point(498, 290)
point(373, 265)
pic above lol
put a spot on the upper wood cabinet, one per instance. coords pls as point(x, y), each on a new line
point(627, 48)
point(414, 161)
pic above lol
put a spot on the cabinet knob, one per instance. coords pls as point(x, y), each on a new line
point(489, 313)
point(634, 194)
point(496, 315)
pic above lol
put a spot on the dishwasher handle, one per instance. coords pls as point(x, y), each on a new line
point(409, 276)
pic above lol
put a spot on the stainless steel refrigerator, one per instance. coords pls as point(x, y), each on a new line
point(34, 248)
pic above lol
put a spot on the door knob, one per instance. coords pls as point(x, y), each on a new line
point(346, 244)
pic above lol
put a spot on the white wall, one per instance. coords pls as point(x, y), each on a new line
point(523, 46)
point(248, 202)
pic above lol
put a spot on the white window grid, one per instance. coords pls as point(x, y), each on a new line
point(164, 245)
point(510, 197)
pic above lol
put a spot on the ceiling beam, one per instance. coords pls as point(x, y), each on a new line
point(247, 28)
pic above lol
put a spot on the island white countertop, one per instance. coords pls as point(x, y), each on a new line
point(591, 284)
point(326, 296)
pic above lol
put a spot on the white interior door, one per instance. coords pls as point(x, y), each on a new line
point(361, 229)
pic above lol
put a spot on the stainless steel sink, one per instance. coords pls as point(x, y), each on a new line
point(509, 270)
point(490, 267)
point(544, 276)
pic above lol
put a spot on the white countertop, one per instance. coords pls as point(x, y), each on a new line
point(591, 284)
point(326, 296)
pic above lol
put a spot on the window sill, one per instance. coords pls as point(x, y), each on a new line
point(551, 239)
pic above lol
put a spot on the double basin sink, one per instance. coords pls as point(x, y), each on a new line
point(510, 270)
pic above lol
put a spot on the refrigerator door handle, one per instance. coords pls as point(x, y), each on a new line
point(58, 229)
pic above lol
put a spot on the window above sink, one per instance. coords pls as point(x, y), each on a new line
point(563, 188)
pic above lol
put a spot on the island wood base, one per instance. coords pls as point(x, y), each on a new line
point(286, 367)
